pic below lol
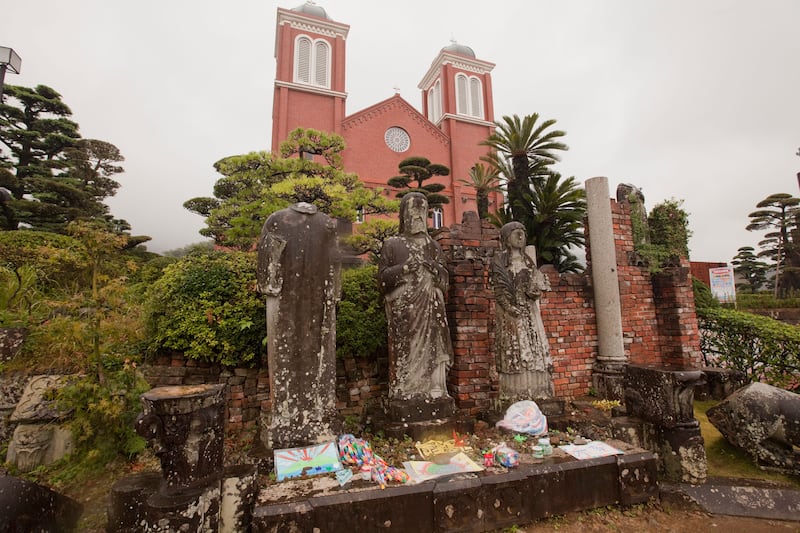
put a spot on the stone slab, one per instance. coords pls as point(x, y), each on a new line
point(732, 500)
point(486, 501)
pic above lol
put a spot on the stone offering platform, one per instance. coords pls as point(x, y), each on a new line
point(465, 503)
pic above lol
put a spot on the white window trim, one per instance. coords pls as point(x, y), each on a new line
point(435, 101)
point(466, 107)
point(437, 214)
point(313, 59)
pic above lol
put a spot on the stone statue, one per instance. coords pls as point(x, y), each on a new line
point(521, 348)
point(298, 271)
point(414, 282)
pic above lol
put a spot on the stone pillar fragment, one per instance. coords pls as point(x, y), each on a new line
point(185, 426)
point(610, 365)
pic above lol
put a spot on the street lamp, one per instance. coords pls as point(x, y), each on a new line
point(9, 60)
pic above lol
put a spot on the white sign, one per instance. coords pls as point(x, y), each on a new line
point(722, 285)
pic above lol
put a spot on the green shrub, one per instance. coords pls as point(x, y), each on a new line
point(206, 306)
point(764, 349)
point(764, 300)
point(32, 265)
point(702, 295)
point(104, 406)
point(360, 319)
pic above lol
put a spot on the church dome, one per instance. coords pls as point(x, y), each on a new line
point(311, 8)
point(460, 49)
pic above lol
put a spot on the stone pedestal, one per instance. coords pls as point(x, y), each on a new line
point(608, 380)
point(185, 426)
point(660, 407)
point(662, 395)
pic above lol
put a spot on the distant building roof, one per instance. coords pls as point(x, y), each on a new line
point(311, 8)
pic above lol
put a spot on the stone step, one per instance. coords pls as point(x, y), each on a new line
point(465, 502)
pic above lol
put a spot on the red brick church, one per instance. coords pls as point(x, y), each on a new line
point(457, 109)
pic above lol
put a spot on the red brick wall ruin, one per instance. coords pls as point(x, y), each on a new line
point(658, 321)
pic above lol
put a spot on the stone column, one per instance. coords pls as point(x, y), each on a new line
point(609, 369)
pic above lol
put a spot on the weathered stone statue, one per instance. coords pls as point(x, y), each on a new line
point(414, 281)
point(521, 348)
point(298, 271)
point(40, 437)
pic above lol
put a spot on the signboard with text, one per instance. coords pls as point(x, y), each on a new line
point(722, 284)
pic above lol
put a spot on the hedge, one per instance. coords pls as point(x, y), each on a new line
point(764, 349)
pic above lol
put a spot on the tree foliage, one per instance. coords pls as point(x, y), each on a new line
point(485, 180)
point(414, 172)
point(360, 317)
point(761, 347)
point(522, 150)
point(550, 207)
point(668, 227)
point(777, 214)
point(750, 269)
point(369, 237)
point(257, 184)
point(205, 305)
point(53, 176)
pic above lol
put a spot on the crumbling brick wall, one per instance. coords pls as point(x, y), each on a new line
point(659, 325)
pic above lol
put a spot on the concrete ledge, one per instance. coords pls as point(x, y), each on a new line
point(468, 503)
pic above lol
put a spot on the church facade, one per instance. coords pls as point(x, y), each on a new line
point(457, 108)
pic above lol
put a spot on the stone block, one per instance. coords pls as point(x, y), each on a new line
point(634, 431)
point(457, 505)
point(403, 508)
point(127, 500)
point(638, 474)
point(283, 517)
point(32, 405)
point(682, 455)
point(504, 499)
point(545, 487)
point(661, 395)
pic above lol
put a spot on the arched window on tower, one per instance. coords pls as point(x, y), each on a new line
point(312, 61)
point(435, 101)
point(469, 96)
point(438, 217)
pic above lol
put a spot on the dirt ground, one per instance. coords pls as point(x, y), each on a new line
point(655, 518)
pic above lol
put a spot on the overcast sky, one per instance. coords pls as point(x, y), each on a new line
point(688, 99)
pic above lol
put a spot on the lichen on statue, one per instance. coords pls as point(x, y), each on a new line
point(414, 280)
point(522, 351)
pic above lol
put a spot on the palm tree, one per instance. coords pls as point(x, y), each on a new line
point(484, 180)
point(554, 221)
point(529, 147)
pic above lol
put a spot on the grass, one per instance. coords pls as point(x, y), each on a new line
point(726, 461)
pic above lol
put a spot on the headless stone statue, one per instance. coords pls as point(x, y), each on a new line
point(414, 281)
point(298, 271)
point(521, 348)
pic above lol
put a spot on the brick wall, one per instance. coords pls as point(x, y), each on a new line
point(360, 382)
point(659, 326)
